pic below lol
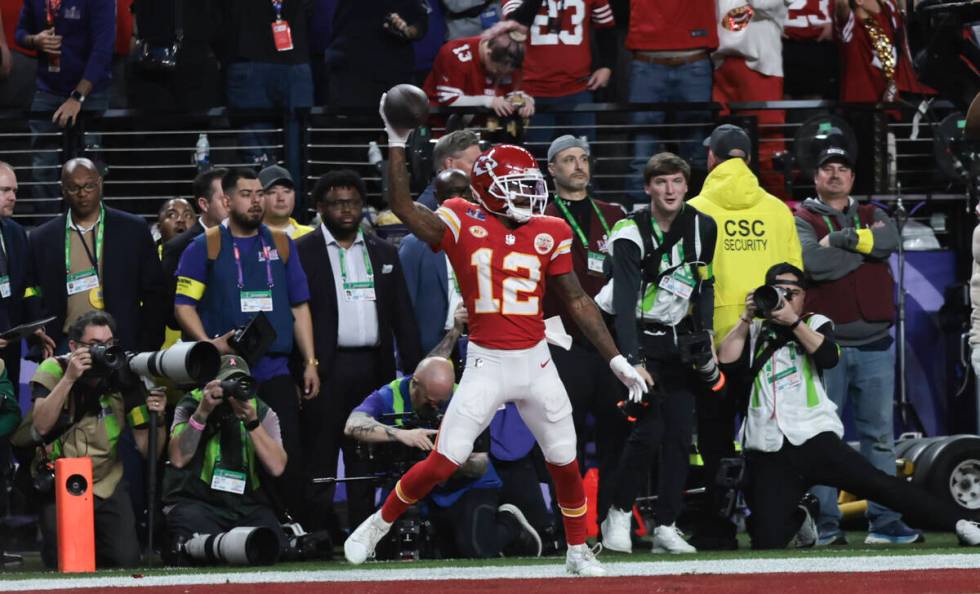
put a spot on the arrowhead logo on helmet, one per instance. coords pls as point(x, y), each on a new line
point(508, 182)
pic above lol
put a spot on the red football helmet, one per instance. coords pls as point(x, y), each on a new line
point(507, 181)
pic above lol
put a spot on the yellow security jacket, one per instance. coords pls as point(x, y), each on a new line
point(755, 231)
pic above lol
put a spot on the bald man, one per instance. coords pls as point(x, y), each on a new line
point(98, 258)
point(451, 183)
point(467, 509)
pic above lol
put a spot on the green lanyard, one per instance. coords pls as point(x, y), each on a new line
point(574, 224)
point(830, 227)
point(369, 283)
point(98, 241)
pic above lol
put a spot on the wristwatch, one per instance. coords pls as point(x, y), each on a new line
point(77, 96)
point(313, 361)
point(252, 425)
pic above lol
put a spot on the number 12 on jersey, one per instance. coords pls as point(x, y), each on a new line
point(511, 287)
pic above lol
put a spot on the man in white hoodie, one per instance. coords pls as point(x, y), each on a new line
point(749, 67)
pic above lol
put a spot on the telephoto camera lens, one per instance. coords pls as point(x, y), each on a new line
point(767, 300)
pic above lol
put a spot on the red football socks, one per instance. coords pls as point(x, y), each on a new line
point(571, 500)
point(416, 484)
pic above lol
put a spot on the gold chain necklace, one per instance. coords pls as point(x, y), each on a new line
point(885, 52)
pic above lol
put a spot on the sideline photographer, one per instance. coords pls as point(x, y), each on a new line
point(221, 437)
point(780, 360)
point(79, 412)
point(662, 295)
point(468, 518)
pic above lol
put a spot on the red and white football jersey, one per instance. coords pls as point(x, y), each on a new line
point(805, 19)
point(457, 71)
point(558, 61)
point(502, 272)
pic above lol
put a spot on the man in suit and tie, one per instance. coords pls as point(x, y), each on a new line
point(98, 258)
point(432, 285)
point(360, 310)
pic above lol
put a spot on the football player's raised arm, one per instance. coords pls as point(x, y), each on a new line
point(418, 218)
point(585, 312)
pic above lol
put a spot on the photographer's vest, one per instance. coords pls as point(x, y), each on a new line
point(93, 435)
point(866, 293)
point(220, 309)
point(398, 401)
point(194, 480)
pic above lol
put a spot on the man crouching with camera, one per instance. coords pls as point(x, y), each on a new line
point(792, 433)
point(221, 440)
point(78, 411)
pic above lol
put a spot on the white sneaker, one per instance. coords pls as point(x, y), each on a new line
point(359, 546)
point(616, 530)
point(968, 532)
point(669, 539)
point(580, 560)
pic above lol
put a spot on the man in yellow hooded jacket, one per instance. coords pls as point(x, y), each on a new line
point(755, 231)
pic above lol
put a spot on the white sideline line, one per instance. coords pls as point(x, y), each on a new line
point(384, 573)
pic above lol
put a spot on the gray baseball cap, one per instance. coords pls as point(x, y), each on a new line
point(273, 175)
point(566, 142)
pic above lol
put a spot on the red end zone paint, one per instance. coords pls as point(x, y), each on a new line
point(947, 581)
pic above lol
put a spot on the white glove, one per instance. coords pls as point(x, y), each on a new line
point(629, 376)
point(395, 137)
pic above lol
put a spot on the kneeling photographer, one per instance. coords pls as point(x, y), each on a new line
point(221, 438)
point(79, 411)
point(662, 295)
point(792, 434)
point(465, 511)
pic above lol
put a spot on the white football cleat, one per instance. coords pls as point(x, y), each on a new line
point(359, 546)
point(580, 560)
point(668, 539)
point(968, 532)
point(616, 530)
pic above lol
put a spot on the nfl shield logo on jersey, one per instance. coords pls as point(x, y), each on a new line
point(510, 239)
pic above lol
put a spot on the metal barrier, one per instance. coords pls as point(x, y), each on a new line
point(150, 157)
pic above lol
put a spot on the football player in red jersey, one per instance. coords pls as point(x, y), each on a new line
point(503, 251)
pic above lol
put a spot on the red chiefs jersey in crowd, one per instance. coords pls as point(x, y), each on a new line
point(502, 271)
point(862, 77)
point(559, 53)
point(806, 19)
point(670, 25)
point(457, 71)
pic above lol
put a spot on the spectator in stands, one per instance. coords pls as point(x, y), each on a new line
point(810, 65)
point(98, 258)
point(19, 301)
point(229, 273)
point(194, 503)
point(558, 69)
point(194, 83)
point(456, 150)
point(846, 247)
point(431, 281)
point(592, 388)
point(18, 68)
point(371, 49)
point(466, 512)
point(174, 217)
point(670, 41)
point(478, 72)
point(75, 414)
point(264, 53)
point(755, 231)
point(749, 67)
point(74, 42)
point(802, 446)
point(875, 66)
point(360, 310)
point(279, 194)
point(466, 18)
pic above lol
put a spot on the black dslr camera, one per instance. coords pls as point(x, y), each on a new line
point(695, 350)
point(252, 340)
point(239, 386)
point(768, 299)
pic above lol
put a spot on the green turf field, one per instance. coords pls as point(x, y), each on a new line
point(936, 543)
